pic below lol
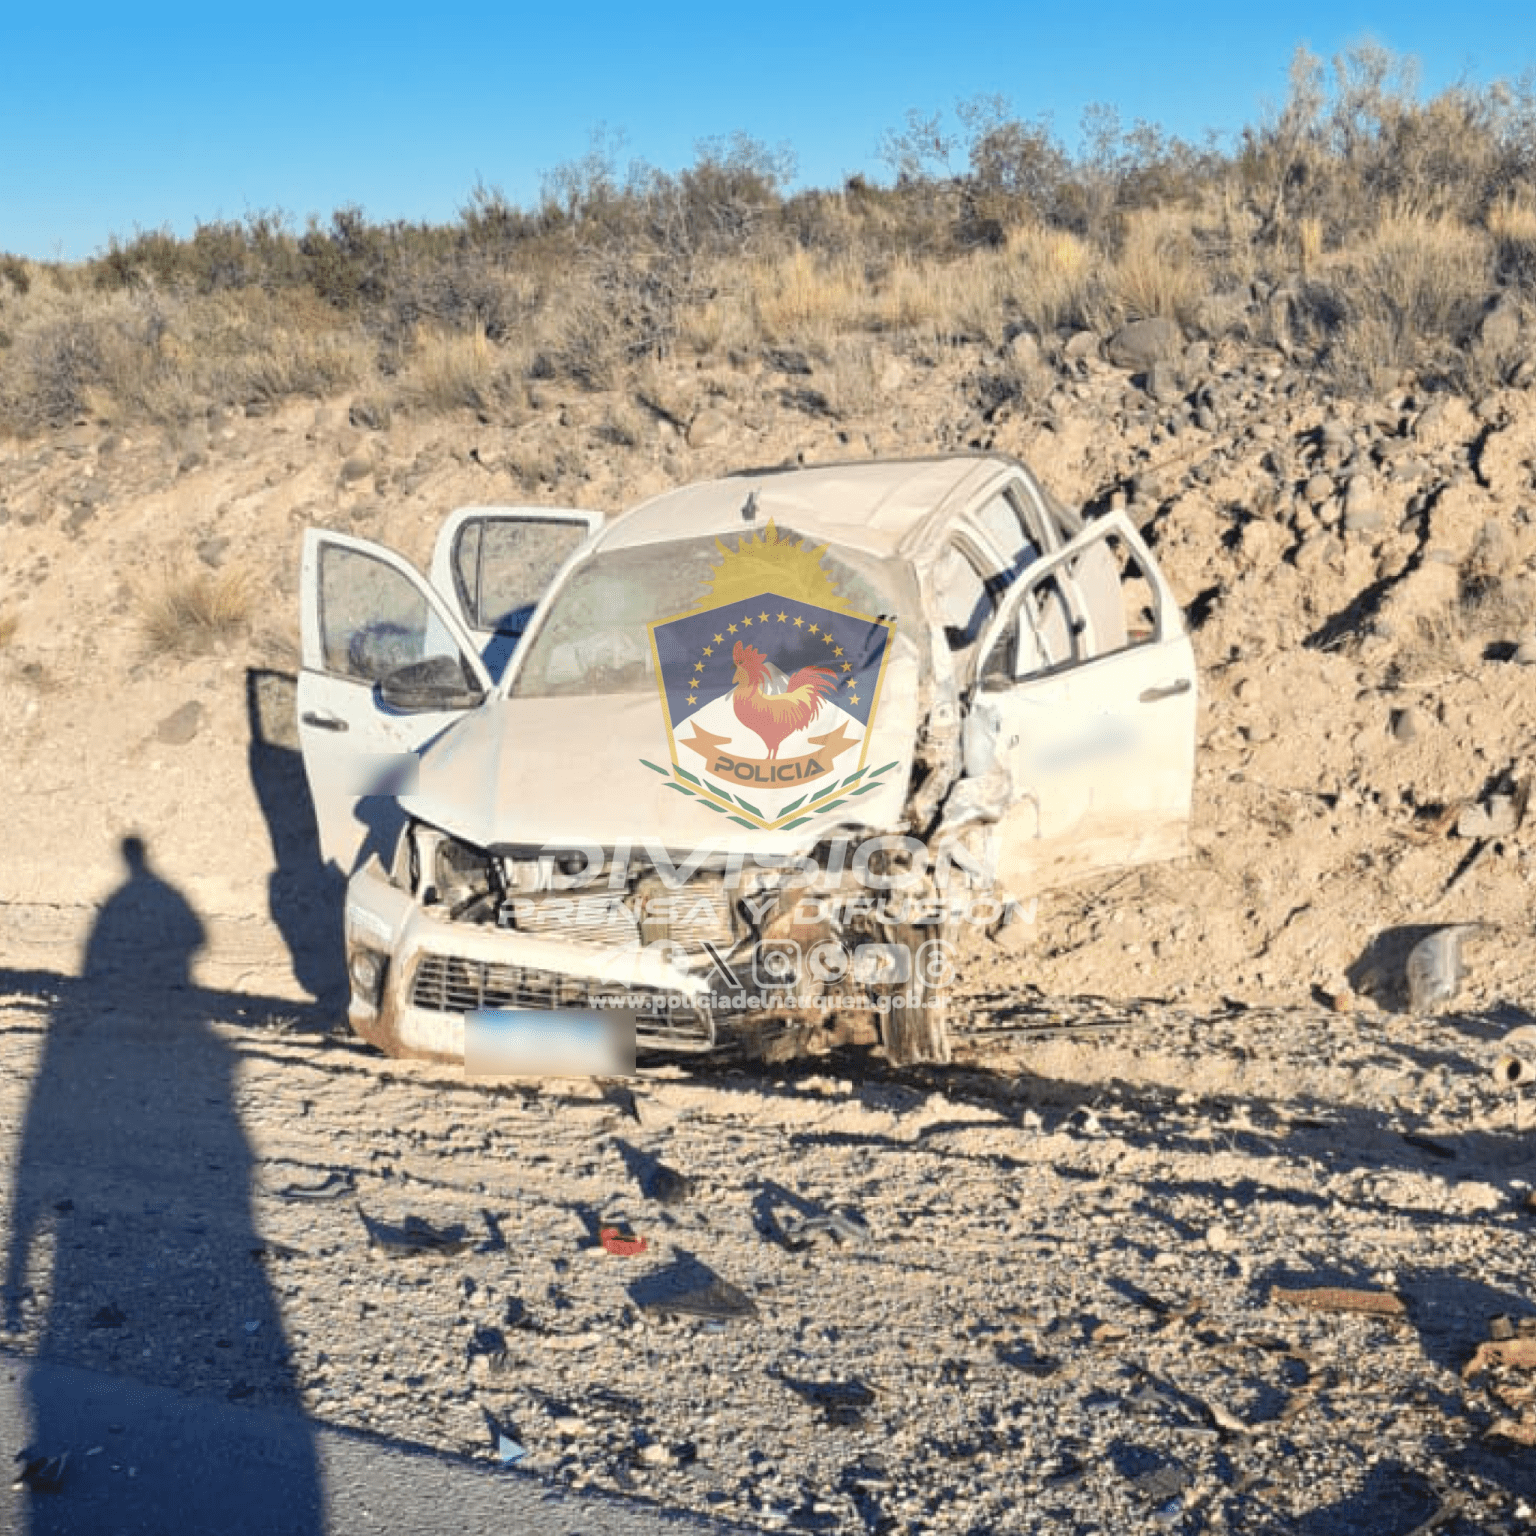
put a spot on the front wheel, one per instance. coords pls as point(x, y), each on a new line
point(913, 1004)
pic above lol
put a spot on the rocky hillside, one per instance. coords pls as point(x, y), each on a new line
point(1359, 573)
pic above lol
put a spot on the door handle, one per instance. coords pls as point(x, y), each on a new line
point(323, 722)
point(1171, 691)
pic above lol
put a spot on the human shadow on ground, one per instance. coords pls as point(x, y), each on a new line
point(135, 1171)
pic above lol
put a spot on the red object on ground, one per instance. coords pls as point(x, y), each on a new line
point(614, 1240)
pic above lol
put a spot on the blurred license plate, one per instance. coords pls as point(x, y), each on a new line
point(541, 1042)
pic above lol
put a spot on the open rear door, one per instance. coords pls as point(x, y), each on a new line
point(1085, 694)
point(365, 613)
point(495, 564)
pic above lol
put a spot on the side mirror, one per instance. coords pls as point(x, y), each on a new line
point(429, 686)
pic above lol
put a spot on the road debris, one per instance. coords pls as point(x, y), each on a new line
point(332, 1187)
point(797, 1232)
point(1515, 1065)
point(1337, 1298)
point(43, 1474)
point(715, 1299)
point(1435, 966)
point(621, 1241)
point(414, 1236)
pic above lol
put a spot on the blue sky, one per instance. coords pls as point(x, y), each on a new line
point(116, 118)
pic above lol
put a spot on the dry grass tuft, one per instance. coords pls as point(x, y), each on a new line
point(807, 299)
point(1410, 296)
point(9, 623)
point(449, 371)
point(1158, 270)
point(1050, 279)
point(184, 613)
point(1309, 244)
point(1512, 223)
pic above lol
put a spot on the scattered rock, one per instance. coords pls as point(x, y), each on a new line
point(181, 725)
point(1080, 347)
point(1500, 330)
point(892, 376)
point(709, 426)
point(1318, 489)
point(1163, 383)
point(1022, 349)
point(1141, 343)
point(211, 551)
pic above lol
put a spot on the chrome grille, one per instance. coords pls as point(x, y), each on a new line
point(453, 984)
point(581, 919)
point(700, 914)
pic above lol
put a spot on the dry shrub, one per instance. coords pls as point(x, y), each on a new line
point(183, 613)
point(1495, 605)
point(849, 382)
point(616, 307)
point(969, 298)
point(9, 623)
point(1437, 646)
point(1309, 244)
point(1512, 223)
point(48, 371)
point(1050, 279)
point(1410, 296)
point(622, 425)
point(719, 323)
point(137, 355)
point(294, 358)
point(448, 371)
point(1012, 381)
point(805, 298)
point(912, 296)
point(1157, 271)
point(1496, 601)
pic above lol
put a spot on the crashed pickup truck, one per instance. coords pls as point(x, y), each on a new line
point(741, 761)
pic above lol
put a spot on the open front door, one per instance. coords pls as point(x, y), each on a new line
point(1085, 695)
point(496, 563)
point(366, 613)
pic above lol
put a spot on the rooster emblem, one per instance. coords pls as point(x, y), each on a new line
point(772, 705)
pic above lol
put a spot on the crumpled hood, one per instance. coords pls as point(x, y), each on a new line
point(560, 772)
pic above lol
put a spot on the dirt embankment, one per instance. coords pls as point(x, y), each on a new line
point(1358, 573)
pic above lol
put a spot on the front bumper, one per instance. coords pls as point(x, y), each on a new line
point(436, 972)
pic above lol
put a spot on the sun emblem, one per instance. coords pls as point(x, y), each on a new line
point(771, 561)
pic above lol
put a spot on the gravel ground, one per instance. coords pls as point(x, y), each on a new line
point(1068, 1311)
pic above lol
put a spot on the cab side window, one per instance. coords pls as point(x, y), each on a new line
point(1099, 602)
point(964, 601)
point(1003, 521)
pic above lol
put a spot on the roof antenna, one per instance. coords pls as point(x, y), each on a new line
point(749, 509)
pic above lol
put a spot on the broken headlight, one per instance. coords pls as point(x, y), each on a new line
point(456, 875)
